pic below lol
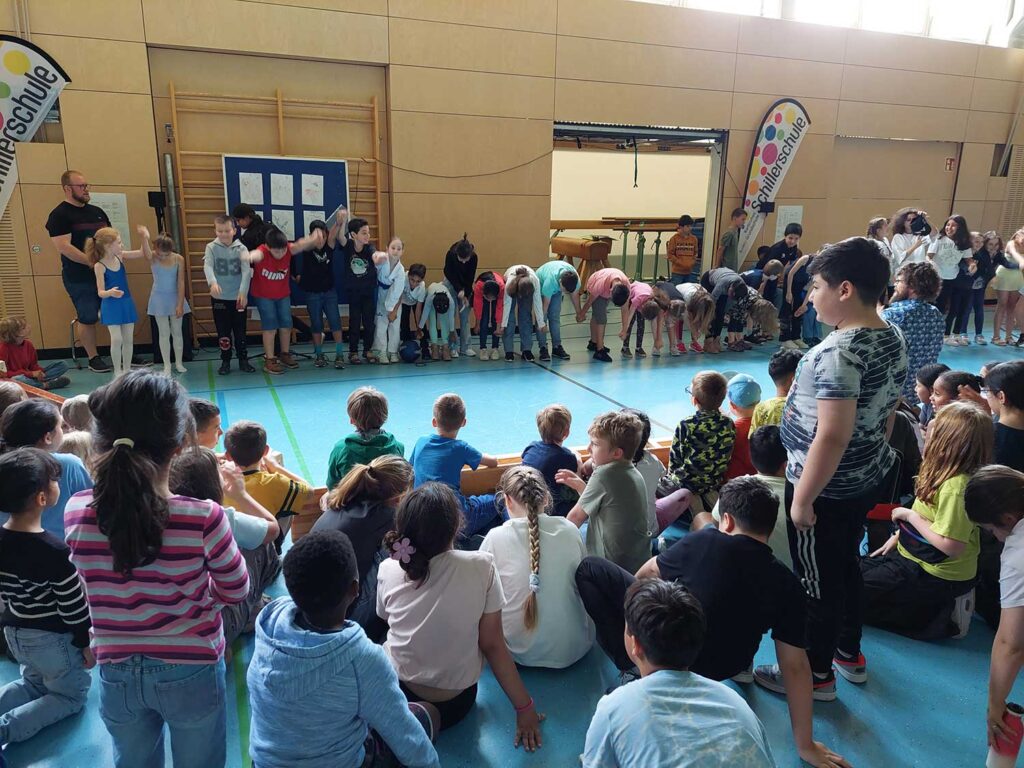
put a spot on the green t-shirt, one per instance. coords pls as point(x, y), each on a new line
point(615, 501)
point(549, 273)
point(731, 255)
point(948, 517)
point(360, 449)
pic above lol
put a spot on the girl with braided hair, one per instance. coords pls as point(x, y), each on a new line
point(544, 620)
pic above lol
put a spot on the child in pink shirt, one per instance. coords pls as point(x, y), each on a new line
point(603, 285)
point(642, 306)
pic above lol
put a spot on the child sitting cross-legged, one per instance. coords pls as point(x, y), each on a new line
point(782, 369)
point(548, 455)
point(20, 360)
point(536, 555)
point(744, 394)
point(45, 619)
point(318, 672)
point(282, 492)
point(441, 457)
point(362, 506)
point(911, 583)
point(367, 412)
point(687, 720)
point(744, 591)
point(613, 502)
point(443, 608)
point(198, 474)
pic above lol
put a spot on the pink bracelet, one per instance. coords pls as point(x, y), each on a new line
point(526, 706)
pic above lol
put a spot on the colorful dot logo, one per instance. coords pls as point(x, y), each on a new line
point(17, 63)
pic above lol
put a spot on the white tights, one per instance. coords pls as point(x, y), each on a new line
point(122, 347)
point(170, 329)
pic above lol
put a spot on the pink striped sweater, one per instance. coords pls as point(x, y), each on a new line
point(169, 609)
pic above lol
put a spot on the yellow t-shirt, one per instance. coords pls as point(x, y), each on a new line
point(767, 412)
point(948, 517)
point(279, 494)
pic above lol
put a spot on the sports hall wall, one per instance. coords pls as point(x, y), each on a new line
point(470, 87)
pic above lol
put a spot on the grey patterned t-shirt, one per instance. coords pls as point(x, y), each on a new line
point(868, 365)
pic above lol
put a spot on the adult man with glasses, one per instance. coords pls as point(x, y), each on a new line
point(70, 224)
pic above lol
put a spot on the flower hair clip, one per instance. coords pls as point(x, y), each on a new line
point(402, 550)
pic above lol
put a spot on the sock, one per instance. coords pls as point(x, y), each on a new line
point(821, 676)
point(339, 349)
point(318, 349)
point(844, 655)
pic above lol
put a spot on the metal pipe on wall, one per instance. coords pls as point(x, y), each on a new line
point(172, 203)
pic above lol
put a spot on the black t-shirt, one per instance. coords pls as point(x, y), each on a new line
point(744, 591)
point(780, 251)
point(315, 271)
point(1009, 447)
point(460, 273)
point(360, 272)
point(365, 525)
point(81, 222)
point(255, 234)
point(548, 458)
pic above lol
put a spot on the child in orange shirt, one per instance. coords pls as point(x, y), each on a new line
point(683, 252)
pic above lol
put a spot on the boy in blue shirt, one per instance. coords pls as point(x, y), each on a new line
point(320, 673)
point(440, 458)
point(687, 720)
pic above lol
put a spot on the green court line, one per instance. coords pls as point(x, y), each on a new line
point(288, 429)
point(212, 378)
point(241, 704)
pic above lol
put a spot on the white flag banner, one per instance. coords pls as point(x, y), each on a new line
point(782, 131)
point(30, 82)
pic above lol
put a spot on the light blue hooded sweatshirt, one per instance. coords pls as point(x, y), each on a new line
point(313, 696)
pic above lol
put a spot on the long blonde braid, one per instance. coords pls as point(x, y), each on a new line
point(527, 487)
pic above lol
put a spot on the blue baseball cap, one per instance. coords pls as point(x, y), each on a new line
point(744, 390)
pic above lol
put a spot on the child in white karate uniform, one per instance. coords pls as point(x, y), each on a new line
point(390, 286)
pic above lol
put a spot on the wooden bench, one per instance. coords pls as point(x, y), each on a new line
point(474, 483)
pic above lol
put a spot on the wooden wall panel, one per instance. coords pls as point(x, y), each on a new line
point(923, 89)
point(525, 15)
point(585, 101)
point(901, 122)
point(375, 7)
point(995, 95)
point(766, 74)
point(899, 170)
point(1000, 63)
point(809, 42)
point(54, 323)
point(16, 212)
point(91, 120)
point(973, 177)
point(654, 24)
point(614, 62)
point(125, 66)
point(480, 49)
point(748, 110)
point(40, 163)
point(96, 19)
point(912, 54)
point(459, 92)
point(991, 127)
point(37, 202)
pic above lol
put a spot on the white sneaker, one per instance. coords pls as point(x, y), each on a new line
point(949, 341)
point(980, 340)
point(394, 357)
point(963, 609)
point(455, 354)
point(788, 345)
point(470, 352)
point(964, 341)
point(800, 344)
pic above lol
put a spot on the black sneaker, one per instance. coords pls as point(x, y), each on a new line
point(560, 353)
point(603, 355)
point(527, 356)
point(225, 367)
point(99, 365)
point(591, 346)
point(640, 353)
point(138, 362)
point(510, 357)
point(625, 353)
point(544, 356)
point(245, 366)
point(320, 361)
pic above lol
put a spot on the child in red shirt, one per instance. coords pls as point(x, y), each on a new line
point(744, 393)
point(271, 292)
point(20, 361)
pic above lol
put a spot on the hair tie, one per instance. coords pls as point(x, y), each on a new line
point(402, 550)
point(124, 441)
point(535, 582)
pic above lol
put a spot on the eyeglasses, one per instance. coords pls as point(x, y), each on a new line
point(80, 186)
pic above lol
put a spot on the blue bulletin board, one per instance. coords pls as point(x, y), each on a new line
point(289, 192)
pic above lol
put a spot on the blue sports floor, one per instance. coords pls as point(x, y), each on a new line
point(924, 704)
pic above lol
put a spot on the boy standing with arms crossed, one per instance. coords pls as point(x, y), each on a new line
point(835, 426)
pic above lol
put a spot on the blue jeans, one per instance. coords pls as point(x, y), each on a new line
point(809, 324)
point(481, 514)
point(520, 313)
point(274, 313)
point(465, 313)
point(553, 318)
point(51, 371)
point(139, 695)
point(53, 685)
point(676, 279)
point(489, 324)
point(320, 304)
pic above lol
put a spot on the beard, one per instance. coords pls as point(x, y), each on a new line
point(901, 294)
point(81, 197)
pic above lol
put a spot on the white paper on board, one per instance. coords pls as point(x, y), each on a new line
point(785, 215)
point(285, 221)
point(282, 190)
point(250, 188)
point(312, 189)
point(309, 216)
point(115, 205)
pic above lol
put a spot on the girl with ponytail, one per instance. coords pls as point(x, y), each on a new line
point(156, 569)
point(362, 506)
point(443, 607)
point(536, 555)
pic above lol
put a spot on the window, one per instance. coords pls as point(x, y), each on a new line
point(836, 13)
point(906, 17)
point(960, 20)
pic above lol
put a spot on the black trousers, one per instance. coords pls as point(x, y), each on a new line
point(718, 321)
point(942, 302)
point(451, 711)
point(229, 323)
point(959, 307)
point(408, 332)
point(638, 321)
point(901, 596)
point(602, 586)
point(826, 559)
point(360, 322)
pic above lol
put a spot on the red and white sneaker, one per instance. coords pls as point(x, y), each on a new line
point(854, 670)
point(696, 347)
point(681, 347)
